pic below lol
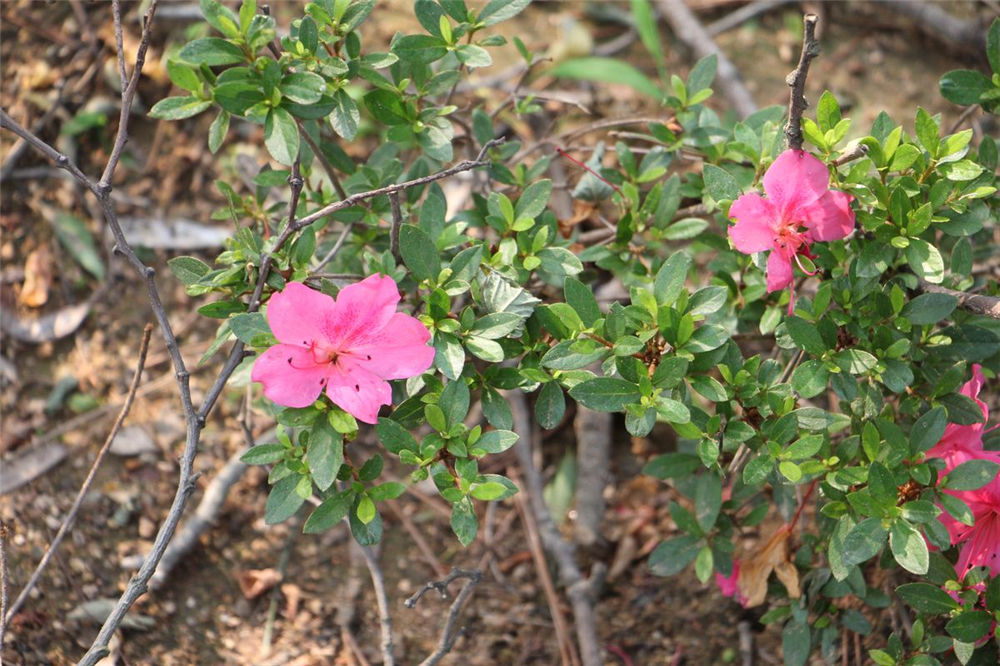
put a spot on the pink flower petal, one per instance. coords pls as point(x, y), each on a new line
point(299, 315)
point(397, 351)
point(358, 391)
point(290, 375)
point(779, 271)
point(362, 308)
point(830, 218)
point(755, 220)
point(795, 181)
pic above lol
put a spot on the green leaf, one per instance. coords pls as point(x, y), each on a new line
point(970, 626)
point(719, 183)
point(607, 70)
point(220, 17)
point(302, 87)
point(708, 300)
point(496, 11)
point(218, 130)
point(709, 387)
point(701, 75)
point(926, 598)
point(495, 441)
point(420, 49)
point(211, 51)
point(672, 465)
point(928, 429)
point(962, 409)
point(188, 270)
point(533, 200)
point(454, 401)
point(581, 298)
point(395, 437)
point(473, 56)
point(805, 335)
point(184, 77)
point(827, 111)
point(250, 327)
point(864, 541)
point(956, 508)
point(810, 378)
point(795, 643)
point(550, 405)
point(971, 475)
point(325, 454)
point(463, 521)
point(264, 454)
point(281, 136)
point(488, 491)
point(669, 282)
point(645, 22)
point(927, 131)
point(673, 555)
point(175, 108)
point(284, 500)
point(964, 86)
point(929, 308)
point(365, 533)
point(333, 510)
point(605, 394)
point(707, 501)
point(499, 295)
point(486, 349)
point(908, 547)
point(419, 252)
point(345, 115)
point(74, 235)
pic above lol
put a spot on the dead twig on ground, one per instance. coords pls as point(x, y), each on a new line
point(381, 600)
point(70, 518)
point(796, 80)
point(688, 29)
point(448, 634)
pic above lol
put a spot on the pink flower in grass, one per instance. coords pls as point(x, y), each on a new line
point(799, 209)
point(349, 347)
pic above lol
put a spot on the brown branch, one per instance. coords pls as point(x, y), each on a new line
point(381, 601)
point(581, 591)
point(448, 634)
point(70, 518)
point(3, 581)
point(796, 80)
point(397, 222)
point(988, 306)
point(859, 151)
point(330, 170)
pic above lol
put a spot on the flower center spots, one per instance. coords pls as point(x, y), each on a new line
point(790, 238)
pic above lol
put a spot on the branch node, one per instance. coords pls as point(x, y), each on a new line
point(62, 161)
point(149, 272)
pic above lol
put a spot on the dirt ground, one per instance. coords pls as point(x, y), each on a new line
point(60, 396)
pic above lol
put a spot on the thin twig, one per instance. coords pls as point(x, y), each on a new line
point(382, 601)
point(397, 222)
point(272, 610)
point(116, 12)
point(85, 487)
point(418, 538)
point(742, 15)
point(968, 113)
point(3, 583)
point(859, 151)
point(581, 591)
point(328, 167)
point(988, 306)
point(448, 634)
point(796, 80)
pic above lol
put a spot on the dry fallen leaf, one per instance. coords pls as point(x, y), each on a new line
point(256, 582)
point(37, 278)
point(757, 565)
point(293, 595)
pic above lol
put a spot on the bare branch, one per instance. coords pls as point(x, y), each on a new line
point(382, 601)
point(988, 306)
point(581, 591)
point(397, 222)
point(449, 634)
point(796, 80)
point(85, 487)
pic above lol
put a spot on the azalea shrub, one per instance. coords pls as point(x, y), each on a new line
point(799, 317)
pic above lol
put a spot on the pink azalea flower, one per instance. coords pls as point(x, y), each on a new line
point(799, 209)
point(980, 543)
point(349, 347)
point(730, 585)
point(961, 443)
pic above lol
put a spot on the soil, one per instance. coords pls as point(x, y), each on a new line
point(872, 60)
